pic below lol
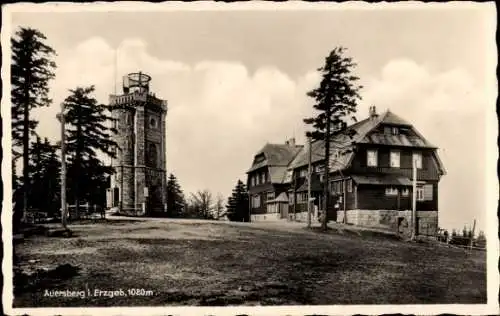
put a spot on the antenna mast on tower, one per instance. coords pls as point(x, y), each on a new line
point(115, 68)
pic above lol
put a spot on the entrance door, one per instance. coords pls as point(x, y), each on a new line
point(116, 196)
point(283, 210)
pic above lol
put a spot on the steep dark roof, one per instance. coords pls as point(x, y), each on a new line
point(277, 173)
point(340, 140)
point(277, 155)
point(363, 136)
point(316, 185)
point(283, 197)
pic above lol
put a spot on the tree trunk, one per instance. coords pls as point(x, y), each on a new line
point(77, 168)
point(326, 170)
point(26, 145)
point(64, 211)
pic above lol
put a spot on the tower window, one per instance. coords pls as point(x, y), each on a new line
point(153, 123)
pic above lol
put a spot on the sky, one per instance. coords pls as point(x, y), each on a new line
point(236, 79)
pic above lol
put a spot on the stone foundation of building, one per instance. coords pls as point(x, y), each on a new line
point(398, 221)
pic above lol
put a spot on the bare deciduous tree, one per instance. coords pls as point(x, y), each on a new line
point(219, 206)
point(202, 202)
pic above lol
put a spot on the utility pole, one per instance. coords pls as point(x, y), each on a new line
point(326, 169)
point(472, 234)
point(414, 201)
point(63, 169)
point(309, 180)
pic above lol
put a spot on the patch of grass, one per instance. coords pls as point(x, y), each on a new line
point(214, 264)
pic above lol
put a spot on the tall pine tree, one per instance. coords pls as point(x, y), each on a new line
point(87, 135)
point(237, 208)
point(335, 100)
point(32, 68)
point(175, 198)
point(45, 176)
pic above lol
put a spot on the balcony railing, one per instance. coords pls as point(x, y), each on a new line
point(129, 99)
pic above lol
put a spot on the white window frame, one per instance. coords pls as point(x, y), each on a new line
point(420, 193)
point(256, 201)
point(405, 192)
point(419, 161)
point(375, 158)
point(394, 130)
point(395, 163)
point(349, 185)
point(303, 173)
point(391, 191)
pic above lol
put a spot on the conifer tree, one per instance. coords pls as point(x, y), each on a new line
point(237, 208)
point(45, 176)
point(32, 68)
point(175, 197)
point(335, 100)
point(87, 134)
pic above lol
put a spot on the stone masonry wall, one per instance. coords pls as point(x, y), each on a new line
point(140, 176)
point(388, 219)
point(124, 161)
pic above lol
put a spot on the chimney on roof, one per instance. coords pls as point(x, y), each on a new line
point(372, 112)
point(291, 142)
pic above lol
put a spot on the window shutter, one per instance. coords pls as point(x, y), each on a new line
point(428, 192)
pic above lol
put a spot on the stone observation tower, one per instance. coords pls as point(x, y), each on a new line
point(138, 185)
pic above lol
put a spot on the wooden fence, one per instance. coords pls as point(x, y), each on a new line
point(86, 211)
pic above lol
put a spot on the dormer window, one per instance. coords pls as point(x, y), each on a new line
point(392, 130)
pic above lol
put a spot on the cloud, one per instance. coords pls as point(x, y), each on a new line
point(449, 109)
point(219, 113)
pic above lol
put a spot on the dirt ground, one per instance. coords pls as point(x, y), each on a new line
point(169, 262)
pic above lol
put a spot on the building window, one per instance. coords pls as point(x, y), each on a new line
point(337, 187)
point(417, 158)
point(290, 198)
point(371, 156)
point(256, 201)
point(405, 192)
point(387, 130)
point(319, 168)
point(391, 191)
point(349, 185)
point(420, 193)
point(395, 131)
point(427, 192)
point(303, 173)
point(270, 196)
point(302, 197)
point(395, 159)
point(153, 123)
